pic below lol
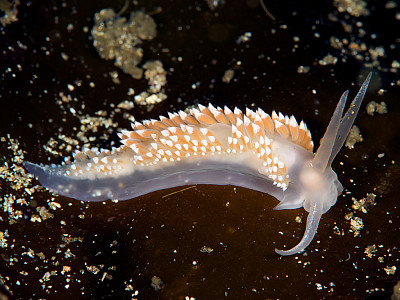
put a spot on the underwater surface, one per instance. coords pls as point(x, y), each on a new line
point(75, 73)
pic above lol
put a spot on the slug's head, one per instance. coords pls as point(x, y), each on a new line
point(319, 186)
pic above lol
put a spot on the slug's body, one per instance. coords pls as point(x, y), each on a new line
point(271, 154)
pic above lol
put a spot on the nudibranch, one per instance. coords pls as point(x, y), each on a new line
point(210, 145)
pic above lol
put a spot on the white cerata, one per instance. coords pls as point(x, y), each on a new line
point(210, 145)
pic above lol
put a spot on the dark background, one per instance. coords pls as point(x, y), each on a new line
point(160, 235)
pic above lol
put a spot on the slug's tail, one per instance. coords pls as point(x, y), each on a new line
point(92, 176)
point(312, 225)
point(54, 179)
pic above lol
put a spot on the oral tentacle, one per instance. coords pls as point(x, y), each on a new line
point(311, 228)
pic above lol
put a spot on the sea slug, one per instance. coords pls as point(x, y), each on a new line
point(210, 145)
